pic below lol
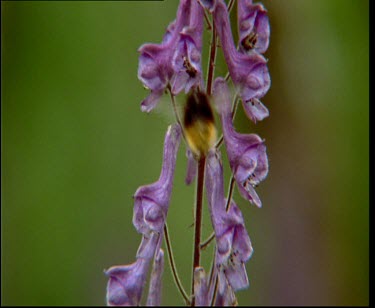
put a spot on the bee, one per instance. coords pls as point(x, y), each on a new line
point(199, 123)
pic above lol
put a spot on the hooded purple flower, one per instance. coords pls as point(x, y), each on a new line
point(187, 57)
point(253, 26)
point(248, 72)
point(233, 243)
point(246, 152)
point(152, 201)
point(126, 282)
point(155, 68)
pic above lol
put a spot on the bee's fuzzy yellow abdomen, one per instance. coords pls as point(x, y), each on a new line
point(199, 123)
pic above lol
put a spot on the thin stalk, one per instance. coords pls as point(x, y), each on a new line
point(227, 76)
point(230, 193)
point(198, 219)
point(212, 269)
point(230, 5)
point(174, 107)
point(213, 299)
point(173, 267)
point(212, 272)
point(211, 61)
point(208, 241)
point(176, 113)
point(207, 20)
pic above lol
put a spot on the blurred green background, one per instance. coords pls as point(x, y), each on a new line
point(75, 147)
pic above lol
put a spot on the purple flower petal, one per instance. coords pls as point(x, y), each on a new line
point(200, 287)
point(253, 26)
point(255, 110)
point(154, 294)
point(187, 56)
point(233, 243)
point(151, 101)
point(126, 283)
point(152, 201)
point(249, 73)
point(214, 183)
point(225, 295)
point(149, 244)
point(191, 167)
point(246, 152)
point(155, 68)
point(208, 4)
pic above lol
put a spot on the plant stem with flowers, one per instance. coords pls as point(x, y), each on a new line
point(175, 66)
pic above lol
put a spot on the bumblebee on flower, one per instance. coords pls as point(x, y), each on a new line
point(174, 66)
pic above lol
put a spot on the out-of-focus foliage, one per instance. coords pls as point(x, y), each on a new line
point(75, 147)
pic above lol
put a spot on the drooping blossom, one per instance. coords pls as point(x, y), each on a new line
point(233, 245)
point(126, 282)
point(152, 201)
point(155, 69)
point(253, 27)
point(246, 152)
point(176, 62)
point(248, 72)
point(187, 56)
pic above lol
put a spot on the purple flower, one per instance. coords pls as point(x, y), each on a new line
point(249, 72)
point(246, 152)
point(187, 57)
point(253, 26)
point(154, 294)
point(233, 243)
point(152, 201)
point(149, 244)
point(255, 110)
point(155, 68)
point(191, 172)
point(208, 4)
point(200, 287)
point(126, 282)
point(225, 294)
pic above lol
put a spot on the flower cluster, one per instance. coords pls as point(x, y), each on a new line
point(175, 65)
